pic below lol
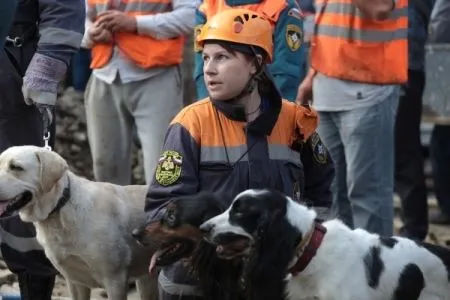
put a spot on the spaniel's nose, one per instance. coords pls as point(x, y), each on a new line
point(207, 227)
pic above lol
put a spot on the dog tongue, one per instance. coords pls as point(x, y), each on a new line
point(3, 206)
point(155, 256)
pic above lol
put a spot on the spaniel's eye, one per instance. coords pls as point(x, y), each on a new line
point(237, 209)
point(15, 167)
point(171, 218)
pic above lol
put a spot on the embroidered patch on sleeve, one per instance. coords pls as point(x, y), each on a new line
point(294, 37)
point(168, 170)
point(319, 151)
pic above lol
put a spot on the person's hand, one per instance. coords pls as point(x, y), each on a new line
point(40, 83)
point(304, 93)
point(114, 21)
point(99, 34)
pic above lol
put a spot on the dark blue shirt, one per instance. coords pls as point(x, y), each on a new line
point(418, 33)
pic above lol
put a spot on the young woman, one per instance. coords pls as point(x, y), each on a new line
point(242, 136)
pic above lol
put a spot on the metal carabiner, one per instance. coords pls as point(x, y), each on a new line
point(16, 42)
point(46, 138)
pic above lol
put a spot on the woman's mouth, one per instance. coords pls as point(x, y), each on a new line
point(213, 84)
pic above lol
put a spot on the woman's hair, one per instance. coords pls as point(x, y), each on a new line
point(250, 52)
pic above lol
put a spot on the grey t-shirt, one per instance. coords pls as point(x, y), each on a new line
point(332, 94)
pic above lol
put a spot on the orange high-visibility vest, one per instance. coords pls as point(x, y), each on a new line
point(270, 8)
point(346, 45)
point(144, 51)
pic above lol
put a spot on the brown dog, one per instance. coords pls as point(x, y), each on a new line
point(177, 232)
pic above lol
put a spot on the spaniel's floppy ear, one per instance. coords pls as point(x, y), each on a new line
point(265, 221)
point(51, 168)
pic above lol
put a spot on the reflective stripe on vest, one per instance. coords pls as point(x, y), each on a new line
point(349, 46)
point(234, 154)
point(136, 47)
point(141, 6)
point(270, 8)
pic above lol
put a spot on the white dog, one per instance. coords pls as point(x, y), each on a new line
point(85, 227)
point(288, 255)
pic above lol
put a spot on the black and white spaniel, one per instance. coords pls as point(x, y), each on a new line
point(287, 254)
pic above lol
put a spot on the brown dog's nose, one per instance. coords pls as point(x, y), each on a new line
point(137, 233)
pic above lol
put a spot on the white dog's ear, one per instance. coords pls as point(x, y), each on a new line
point(51, 168)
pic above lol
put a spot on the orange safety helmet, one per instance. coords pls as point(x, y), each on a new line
point(240, 26)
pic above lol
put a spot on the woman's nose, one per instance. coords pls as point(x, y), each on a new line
point(209, 68)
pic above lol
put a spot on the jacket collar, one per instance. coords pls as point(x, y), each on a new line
point(264, 123)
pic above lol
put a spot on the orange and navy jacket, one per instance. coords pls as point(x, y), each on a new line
point(145, 51)
point(210, 147)
point(349, 46)
point(289, 64)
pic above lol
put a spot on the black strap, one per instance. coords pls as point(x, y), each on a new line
point(65, 197)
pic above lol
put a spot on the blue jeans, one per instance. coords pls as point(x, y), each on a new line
point(361, 144)
point(80, 69)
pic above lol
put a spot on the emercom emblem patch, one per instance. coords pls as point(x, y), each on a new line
point(294, 37)
point(319, 151)
point(169, 168)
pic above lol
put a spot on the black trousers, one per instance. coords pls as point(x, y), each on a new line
point(409, 170)
point(440, 162)
point(21, 124)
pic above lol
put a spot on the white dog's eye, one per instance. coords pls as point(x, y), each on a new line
point(15, 167)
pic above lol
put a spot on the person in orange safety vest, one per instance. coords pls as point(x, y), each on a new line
point(137, 49)
point(359, 60)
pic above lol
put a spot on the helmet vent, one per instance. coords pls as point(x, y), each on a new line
point(239, 19)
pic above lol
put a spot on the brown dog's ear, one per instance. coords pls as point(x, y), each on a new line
point(51, 169)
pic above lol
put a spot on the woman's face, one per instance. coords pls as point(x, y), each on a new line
point(226, 73)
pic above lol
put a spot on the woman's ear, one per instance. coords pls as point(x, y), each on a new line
point(257, 62)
